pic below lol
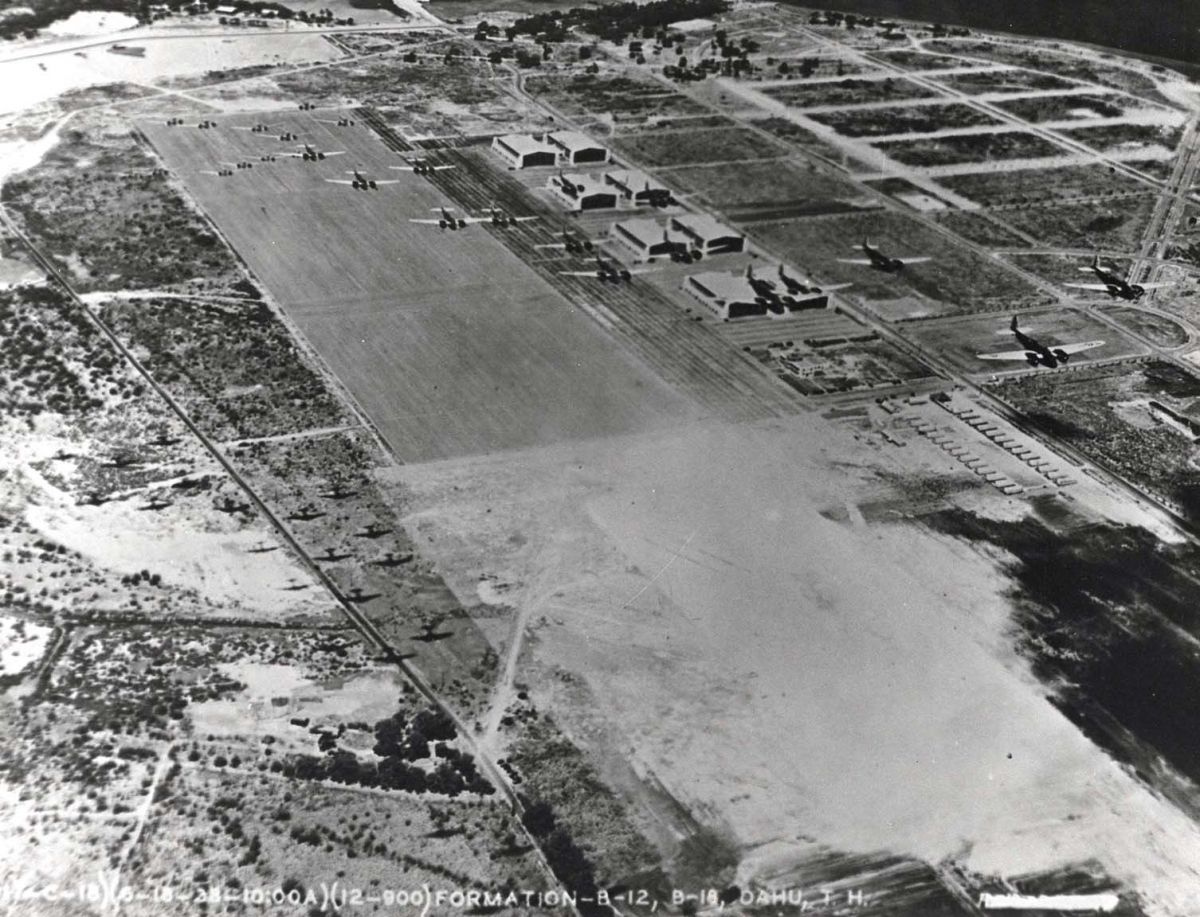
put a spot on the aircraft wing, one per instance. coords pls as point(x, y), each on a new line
point(1078, 347)
point(833, 288)
point(1102, 287)
point(1022, 355)
point(339, 181)
point(521, 219)
point(867, 261)
point(591, 273)
point(1157, 286)
point(390, 181)
point(426, 222)
point(920, 259)
point(333, 152)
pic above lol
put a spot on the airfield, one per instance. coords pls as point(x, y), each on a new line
point(773, 602)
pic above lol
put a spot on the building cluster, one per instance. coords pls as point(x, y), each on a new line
point(528, 151)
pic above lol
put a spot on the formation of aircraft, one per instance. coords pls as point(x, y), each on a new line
point(447, 220)
point(360, 182)
point(881, 262)
point(1115, 286)
point(608, 271)
point(1035, 353)
point(310, 153)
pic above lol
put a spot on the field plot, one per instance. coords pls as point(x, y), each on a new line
point(1036, 186)
point(810, 143)
point(1063, 108)
point(907, 193)
point(847, 92)
point(1115, 225)
point(624, 100)
point(957, 280)
point(1066, 269)
point(767, 190)
point(450, 344)
point(684, 147)
point(1003, 81)
point(960, 340)
point(919, 119)
point(1127, 137)
point(1157, 329)
point(920, 60)
point(980, 229)
point(970, 148)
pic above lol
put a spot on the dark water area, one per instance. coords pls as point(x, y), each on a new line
point(1108, 617)
point(1166, 29)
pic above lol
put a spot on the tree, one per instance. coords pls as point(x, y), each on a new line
point(784, 69)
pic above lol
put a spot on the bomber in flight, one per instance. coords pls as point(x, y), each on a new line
point(1115, 286)
point(1035, 353)
point(881, 262)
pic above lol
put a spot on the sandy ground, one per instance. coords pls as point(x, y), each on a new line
point(21, 644)
point(786, 676)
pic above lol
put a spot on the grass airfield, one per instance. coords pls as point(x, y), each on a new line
point(448, 342)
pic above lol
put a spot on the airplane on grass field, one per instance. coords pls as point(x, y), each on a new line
point(1114, 286)
point(571, 242)
point(608, 271)
point(220, 173)
point(446, 220)
point(310, 153)
point(881, 262)
point(360, 182)
point(1036, 353)
point(340, 122)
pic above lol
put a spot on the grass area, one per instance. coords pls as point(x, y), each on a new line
point(762, 185)
point(1157, 329)
point(878, 122)
point(233, 364)
point(1063, 108)
point(1003, 81)
point(626, 99)
point(683, 148)
point(1039, 186)
point(1118, 225)
point(809, 142)
point(1099, 411)
point(919, 60)
point(1113, 137)
point(957, 280)
point(847, 92)
point(978, 228)
point(940, 151)
point(111, 222)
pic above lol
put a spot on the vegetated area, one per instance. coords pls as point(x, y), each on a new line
point(617, 21)
point(1111, 137)
point(1103, 412)
point(835, 366)
point(1063, 108)
point(1039, 186)
point(960, 342)
point(908, 119)
point(1065, 268)
point(1069, 67)
point(1003, 81)
point(771, 190)
point(686, 147)
point(100, 205)
point(1119, 224)
point(1157, 329)
point(957, 280)
point(627, 100)
point(234, 364)
point(970, 148)
point(1155, 168)
point(848, 92)
point(980, 229)
point(919, 60)
point(809, 142)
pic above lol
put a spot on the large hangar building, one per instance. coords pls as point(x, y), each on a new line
point(708, 234)
point(639, 187)
point(647, 238)
point(582, 192)
point(522, 151)
point(577, 148)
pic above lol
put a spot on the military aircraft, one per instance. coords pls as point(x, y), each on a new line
point(329, 557)
point(163, 440)
point(391, 559)
point(307, 106)
point(359, 597)
point(174, 122)
point(430, 633)
point(305, 514)
point(156, 503)
point(310, 153)
point(420, 166)
point(360, 182)
point(338, 492)
point(1114, 286)
point(794, 286)
point(206, 125)
point(229, 505)
point(240, 164)
point(254, 129)
point(295, 587)
point(608, 271)
point(340, 122)
point(1036, 353)
point(571, 242)
point(287, 136)
point(445, 221)
point(262, 549)
point(123, 460)
point(190, 483)
point(881, 262)
point(219, 173)
point(94, 499)
point(373, 531)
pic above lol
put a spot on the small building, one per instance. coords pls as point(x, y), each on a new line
point(522, 151)
point(708, 234)
point(639, 187)
point(582, 192)
point(728, 295)
point(646, 238)
point(577, 148)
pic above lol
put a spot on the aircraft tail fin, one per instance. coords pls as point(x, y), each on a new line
point(1013, 326)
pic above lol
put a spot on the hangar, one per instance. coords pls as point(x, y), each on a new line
point(582, 192)
point(576, 147)
point(522, 151)
point(728, 295)
point(708, 234)
point(639, 187)
point(647, 238)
